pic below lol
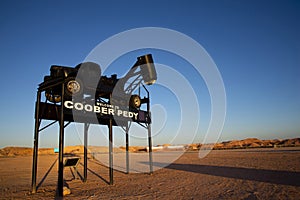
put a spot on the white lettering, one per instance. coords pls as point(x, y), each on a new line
point(135, 115)
point(111, 111)
point(119, 112)
point(88, 107)
point(104, 110)
point(68, 104)
point(101, 108)
point(96, 109)
point(78, 106)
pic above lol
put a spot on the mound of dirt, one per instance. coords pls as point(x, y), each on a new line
point(193, 147)
point(249, 143)
point(23, 151)
point(134, 149)
point(79, 149)
point(256, 143)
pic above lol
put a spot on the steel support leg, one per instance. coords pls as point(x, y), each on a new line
point(60, 182)
point(111, 181)
point(150, 149)
point(127, 149)
point(149, 135)
point(35, 143)
point(86, 128)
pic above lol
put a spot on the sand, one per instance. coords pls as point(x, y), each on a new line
point(272, 173)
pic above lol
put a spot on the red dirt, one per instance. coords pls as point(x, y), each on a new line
point(272, 173)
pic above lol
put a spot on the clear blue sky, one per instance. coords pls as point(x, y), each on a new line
point(255, 44)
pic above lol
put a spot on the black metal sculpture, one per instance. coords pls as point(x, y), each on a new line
point(82, 95)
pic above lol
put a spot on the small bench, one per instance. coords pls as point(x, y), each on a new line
point(72, 163)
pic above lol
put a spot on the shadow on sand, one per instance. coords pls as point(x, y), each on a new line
point(261, 175)
point(94, 173)
point(47, 173)
point(74, 173)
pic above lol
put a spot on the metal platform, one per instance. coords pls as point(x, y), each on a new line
point(88, 111)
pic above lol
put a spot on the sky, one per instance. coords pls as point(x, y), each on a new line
point(254, 44)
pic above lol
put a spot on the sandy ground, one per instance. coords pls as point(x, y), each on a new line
point(223, 174)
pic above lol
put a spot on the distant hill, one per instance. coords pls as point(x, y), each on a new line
point(23, 151)
point(251, 143)
point(233, 144)
point(27, 151)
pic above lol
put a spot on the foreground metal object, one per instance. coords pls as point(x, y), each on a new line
point(101, 103)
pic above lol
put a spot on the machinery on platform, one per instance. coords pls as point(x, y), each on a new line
point(86, 78)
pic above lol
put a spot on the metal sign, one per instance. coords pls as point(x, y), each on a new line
point(81, 94)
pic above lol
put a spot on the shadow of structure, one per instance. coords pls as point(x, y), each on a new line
point(47, 173)
point(75, 175)
point(105, 166)
point(261, 175)
point(94, 173)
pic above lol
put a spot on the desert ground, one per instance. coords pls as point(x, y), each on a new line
point(264, 173)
